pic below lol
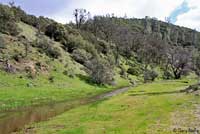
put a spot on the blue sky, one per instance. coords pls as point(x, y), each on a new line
point(181, 12)
point(183, 8)
point(40, 7)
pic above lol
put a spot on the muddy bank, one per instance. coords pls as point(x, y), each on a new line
point(15, 120)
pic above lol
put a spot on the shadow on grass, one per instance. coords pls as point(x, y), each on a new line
point(88, 80)
point(158, 93)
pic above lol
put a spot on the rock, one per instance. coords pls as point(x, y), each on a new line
point(171, 33)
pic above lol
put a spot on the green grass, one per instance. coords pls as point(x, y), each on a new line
point(135, 112)
point(27, 31)
point(15, 92)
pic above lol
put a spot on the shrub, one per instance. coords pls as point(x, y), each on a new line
point(150, 75)
point(81, 56)
point(51, 79)
point(56, 32)
point(167, 75)
point(48, 47)
point(101, 71)
point(17, 56)
point(123, 72)
point(133, 71)
point(103, 46)
point(8, 21)
point(72, 43)
point(2, 43)
point(70, 73)
point(53, 52)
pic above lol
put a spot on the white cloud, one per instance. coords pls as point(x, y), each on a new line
point(191, 19)
point(133, 8)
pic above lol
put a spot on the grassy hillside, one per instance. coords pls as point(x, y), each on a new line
point(40, 79)
point(156, 108)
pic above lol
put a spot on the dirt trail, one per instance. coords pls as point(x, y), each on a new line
point(187, 122)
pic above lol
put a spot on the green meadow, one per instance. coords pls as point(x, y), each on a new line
point(19, 92)
point(154, 108)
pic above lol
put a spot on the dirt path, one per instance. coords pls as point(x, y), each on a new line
point(15, 120)
point(187, 121)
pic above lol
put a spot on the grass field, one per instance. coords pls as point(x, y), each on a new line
point(18, 92)
point(155, 108)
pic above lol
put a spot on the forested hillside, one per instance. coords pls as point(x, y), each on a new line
point(103, 45)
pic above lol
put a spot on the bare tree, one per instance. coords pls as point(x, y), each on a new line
point(151, 50)
point(11, 4)
point(168, 19)
point(81, 15)
point(179, 60)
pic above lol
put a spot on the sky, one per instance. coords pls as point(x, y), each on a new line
point(181, 12)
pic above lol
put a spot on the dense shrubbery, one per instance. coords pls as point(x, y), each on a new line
point(53, 52)
point(133, 71)
point(101, 71)
point(48, 47)
point(70, 73)
point(70, 40)
point(8, 21)
point(81, 56)
point(100, 45)
point(56, 31)
point(150, 75)
point(167, 75)
point(73, 43)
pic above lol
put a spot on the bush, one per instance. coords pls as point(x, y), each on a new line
point(8, 21)
point(123, 72)
point(133, 71)
point(48, 47)
point(70, 73)
point(167, 75)
point(72, 43)
point(103, 46)
point(100, 45)
point(2, 43)
point(17, 56)
point(43, 23)
point(81, 56)
point(51, 79)
point(53, 52)
point(56, 31)
point(101, 71)
point(30, 20)
point(150, 75)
